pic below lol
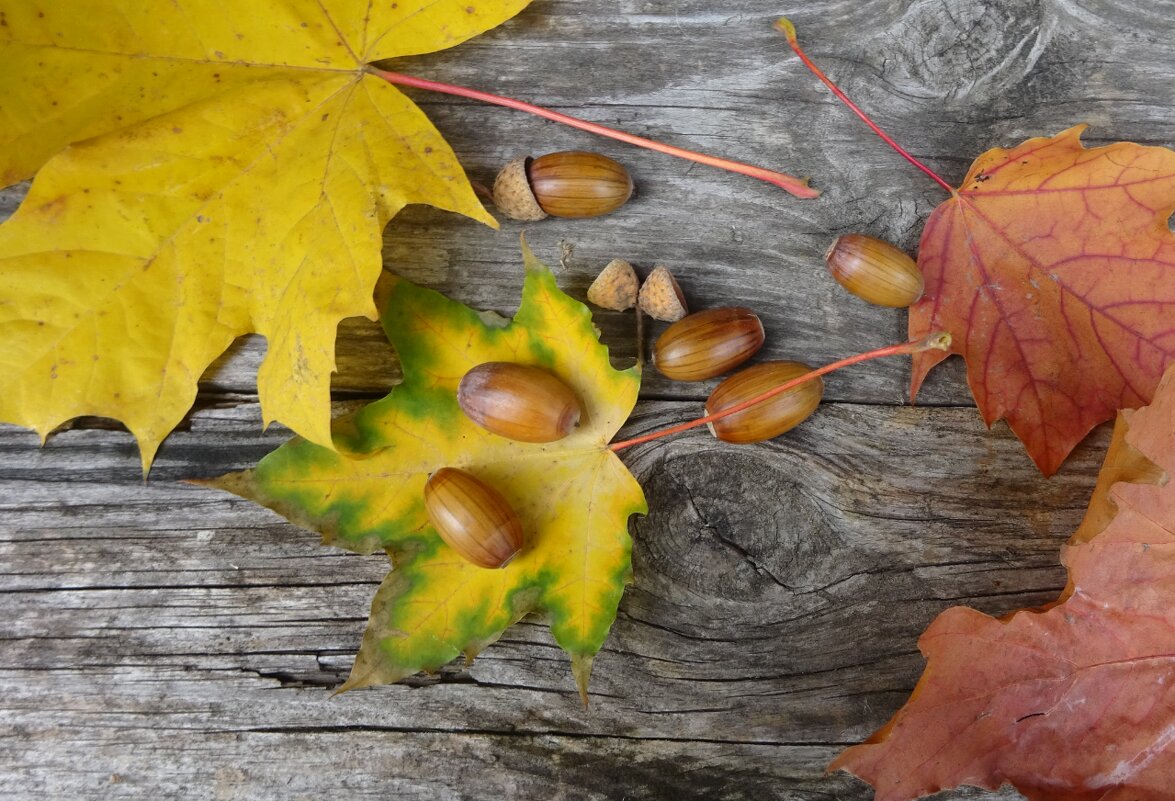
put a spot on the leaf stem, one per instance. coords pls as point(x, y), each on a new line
point(785, 26)
point(936, 341)
point(789, 183)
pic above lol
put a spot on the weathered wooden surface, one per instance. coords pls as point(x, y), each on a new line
point(163, 640)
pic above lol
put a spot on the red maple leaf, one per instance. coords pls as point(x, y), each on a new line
point(1072, 703)
point(1053, 268)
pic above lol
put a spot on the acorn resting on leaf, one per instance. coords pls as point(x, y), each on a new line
point(570, 183)
point(874, 270)
point(472, 518)
point(769, 418)
point(519, 402)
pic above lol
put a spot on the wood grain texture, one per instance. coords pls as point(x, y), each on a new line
point(186, 628)
point(162, 640)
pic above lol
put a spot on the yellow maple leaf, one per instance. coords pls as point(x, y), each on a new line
point(573, 496)
point(227, 168)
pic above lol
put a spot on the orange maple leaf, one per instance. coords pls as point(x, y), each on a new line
point(1072, 703)
point(1053, 268)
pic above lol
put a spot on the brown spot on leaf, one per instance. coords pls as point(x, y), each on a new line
point(54, 207)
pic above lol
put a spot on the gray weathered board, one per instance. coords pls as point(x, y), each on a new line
point(166, 641)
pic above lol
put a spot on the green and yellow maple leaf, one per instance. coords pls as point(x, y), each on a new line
point(574, 496)
point(207, 170)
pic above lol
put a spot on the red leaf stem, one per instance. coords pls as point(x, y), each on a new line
point(789, 183)
point(936, 341)
point(784, 26)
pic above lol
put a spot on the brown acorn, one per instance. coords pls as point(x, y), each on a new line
point(874, 270)
point(708, 343)
point(472, 517)
point(519, 402)
point(571, 183)
point(771, 417)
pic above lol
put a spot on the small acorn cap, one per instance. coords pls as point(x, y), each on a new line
point(661, 298)
point(513, 195)
point(615, 287)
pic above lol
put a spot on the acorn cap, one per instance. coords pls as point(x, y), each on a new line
point(513, 195)
point(615, 287)
point(661, 298)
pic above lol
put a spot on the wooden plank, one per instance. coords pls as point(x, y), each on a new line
point(381, 763)
point(779, 592)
